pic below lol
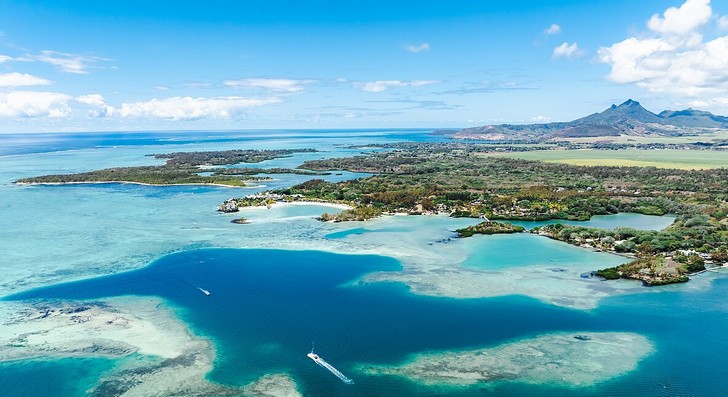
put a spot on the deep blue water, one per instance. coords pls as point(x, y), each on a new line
point(267, 306)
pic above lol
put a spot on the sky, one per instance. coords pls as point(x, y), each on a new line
point(131, 65)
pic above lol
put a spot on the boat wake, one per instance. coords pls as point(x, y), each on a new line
point(320, 361)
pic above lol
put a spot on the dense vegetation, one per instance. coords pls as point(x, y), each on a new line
point(465, 182)
point(181, 168)
point(489, 227)
point(458, 179)
point(655, 270)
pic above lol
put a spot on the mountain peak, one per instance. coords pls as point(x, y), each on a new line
point(630, 103)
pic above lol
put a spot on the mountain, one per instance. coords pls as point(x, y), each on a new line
point(629, 118)
point(694, 118)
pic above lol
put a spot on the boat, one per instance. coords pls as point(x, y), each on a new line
point(204, 291)
point(320, 361)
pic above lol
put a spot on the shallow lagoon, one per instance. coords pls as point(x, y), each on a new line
point(628, 220)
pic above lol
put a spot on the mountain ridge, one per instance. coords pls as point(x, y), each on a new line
point(628, 118)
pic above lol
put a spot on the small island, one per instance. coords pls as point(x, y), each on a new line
point(656, 270)
point(489, 227)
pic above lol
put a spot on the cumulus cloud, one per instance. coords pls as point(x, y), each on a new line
point(69, 63)
point(687, 18)
point(674, 58)
point(568, 51)
point(277, 85)
point(17, 104)
point(97, 105)
point(15, 79)
point(553, 29)
point(417, 48)
point(383, 85)
point(188, 108)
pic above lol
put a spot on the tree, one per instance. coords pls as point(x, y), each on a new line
point(645, 250)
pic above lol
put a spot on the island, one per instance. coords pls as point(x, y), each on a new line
point(489, 227)
point(183, 168)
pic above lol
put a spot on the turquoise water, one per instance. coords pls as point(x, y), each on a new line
point(625, 219)
point(503, 251)
point(268, 305)
point(59, 377)
point(118, 227)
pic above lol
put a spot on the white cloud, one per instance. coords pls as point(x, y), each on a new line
point(711, 103)
point(16, 79)
point(541, 119)
point(277, 85)
point(187, 108)
point(553, 29)
point(383, 85)
point(5, 58)
point(691, 15)
point(566, 50)
point(16, 104)
point(69, 63)
point(674, 58)
point(417, 48)
point(98, 107)
point(723, 22)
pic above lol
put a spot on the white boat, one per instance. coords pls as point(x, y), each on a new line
point(204, 291)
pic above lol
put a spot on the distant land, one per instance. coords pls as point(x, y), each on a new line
point(629, 118)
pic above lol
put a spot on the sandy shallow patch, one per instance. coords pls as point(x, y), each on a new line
point(273, 385)
point(551, 285)
point(157, 354)
point(575, 360)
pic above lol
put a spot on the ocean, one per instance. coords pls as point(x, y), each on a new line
point(286, 280)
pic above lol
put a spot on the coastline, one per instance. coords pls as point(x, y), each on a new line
point(278, 204)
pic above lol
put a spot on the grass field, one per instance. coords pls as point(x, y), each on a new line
point(683, 159)
point(626, 139)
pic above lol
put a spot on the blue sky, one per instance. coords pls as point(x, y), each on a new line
point(139, 65)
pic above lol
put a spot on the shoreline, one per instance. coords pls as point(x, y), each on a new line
point(296, 203)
